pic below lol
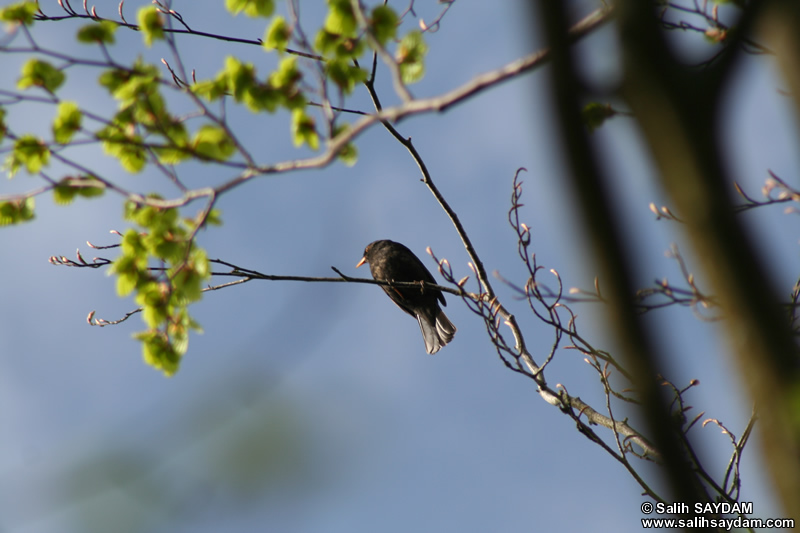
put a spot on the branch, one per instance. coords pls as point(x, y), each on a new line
point(248, 274)
point(72, 14)
point(394, 114)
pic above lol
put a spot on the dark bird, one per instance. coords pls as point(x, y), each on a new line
point(391, 261)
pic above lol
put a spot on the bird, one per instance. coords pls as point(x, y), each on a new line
point(392, 261)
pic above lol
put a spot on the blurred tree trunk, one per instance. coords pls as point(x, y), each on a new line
point(676, 107)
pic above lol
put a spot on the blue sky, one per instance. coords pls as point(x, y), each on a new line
point(314, 407)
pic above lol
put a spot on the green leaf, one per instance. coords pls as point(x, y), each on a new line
point(98, 32)
point(166, 245)
point(132, 157)
point(127, 83)
point(16, 211)
point(349, 153)
point(188, 278)
point(214, 217)
point(325, 41)
point(150, 111)
point(151, 24)
point(67, 122)
point(68, 188)
point(129, 273)
point(132, 243)
point(141, 87)
point(263, 97)
point(131, 266)
point(287, 74)
point(251, 8)
point(153, 315)
point(344, 74)
point(240, 76)
point(21, 13)
point(88, 186)
point(341, 19)
point(180, 338)
point(304, 130)
point(212, 142)
point(126, 281)
point(126, 147)
point(42, 74)
point(235, 6)
point(277, 35)
point(158, 352)
point(340, 47)
point(173, 130)
point(384, 23)
point(112, 79)
point(154, 298)
point(156, 219)
point(30, 152)
point(171, 155)
point(595, 114)
point(210, 89)
point(410, 56)
point(63, 194)
point(178, 329)
point(295, 100)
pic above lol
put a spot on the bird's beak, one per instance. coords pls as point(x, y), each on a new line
point(363, 260)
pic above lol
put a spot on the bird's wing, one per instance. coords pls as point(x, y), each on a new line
point(428, 277)
point(397, 296)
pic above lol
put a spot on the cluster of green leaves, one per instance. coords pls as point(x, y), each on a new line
point(142, 120)
point(151, 24)
point(277, 35)
point(70, 187)
point(16, 211)
point(281, 89)
point(142, 128)
point(20, 13)
point(340, 43)
point(411, 57)
point(29, 151)
point(37, 73)
point(164, 293)
point(239, 80)
point(68, 121)
point(101, 32)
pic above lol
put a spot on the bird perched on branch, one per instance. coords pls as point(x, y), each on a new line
point(391, 261)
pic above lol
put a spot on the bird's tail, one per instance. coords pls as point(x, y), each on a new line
point(436, 332)
point(444, 328)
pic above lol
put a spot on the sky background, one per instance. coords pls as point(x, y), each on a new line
point(314, 407)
